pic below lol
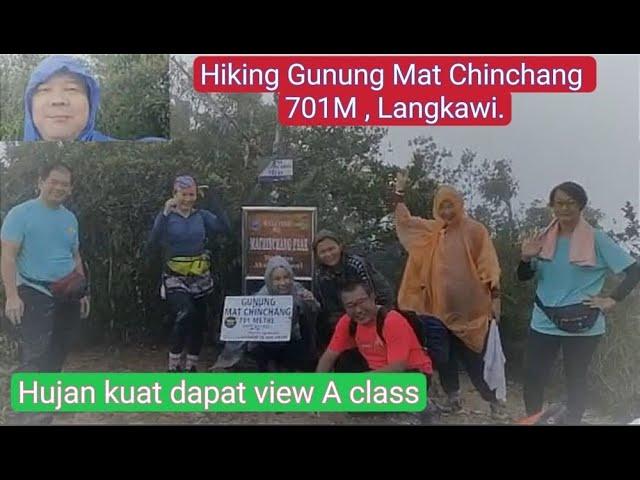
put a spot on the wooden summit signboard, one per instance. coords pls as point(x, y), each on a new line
point(285, 231)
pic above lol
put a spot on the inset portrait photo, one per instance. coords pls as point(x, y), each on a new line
point(90, 98)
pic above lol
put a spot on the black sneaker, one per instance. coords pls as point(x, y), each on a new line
point(430, 415)
point(193, 369)
point(453, 404)
point(178, 369)
point(556, 414)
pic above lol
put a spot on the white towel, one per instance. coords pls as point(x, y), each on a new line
point(494, 361)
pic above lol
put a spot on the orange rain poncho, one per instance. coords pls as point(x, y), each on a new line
point(451, 271)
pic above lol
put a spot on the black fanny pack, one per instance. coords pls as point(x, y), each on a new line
point(576, 318)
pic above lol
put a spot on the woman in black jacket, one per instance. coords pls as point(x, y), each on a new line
point(336, 268)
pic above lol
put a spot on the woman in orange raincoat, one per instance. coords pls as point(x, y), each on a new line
point(453, 274)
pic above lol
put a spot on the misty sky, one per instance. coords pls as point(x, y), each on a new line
point(590, 138)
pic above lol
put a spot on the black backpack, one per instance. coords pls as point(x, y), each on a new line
point(432, 334)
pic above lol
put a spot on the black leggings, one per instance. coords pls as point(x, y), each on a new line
point(190, 316)
point(294, 355)
point(352, 361)
point(474, 365)
point(300, 354)
point(542, 350)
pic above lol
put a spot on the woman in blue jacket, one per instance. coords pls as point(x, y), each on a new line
point(182, 231)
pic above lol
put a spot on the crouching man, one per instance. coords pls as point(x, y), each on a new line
point(373, 338)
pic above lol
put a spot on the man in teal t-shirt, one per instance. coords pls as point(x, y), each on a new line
point(40, 245)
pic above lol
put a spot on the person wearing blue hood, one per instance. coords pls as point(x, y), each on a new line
point(61, 103)
point(299, 353)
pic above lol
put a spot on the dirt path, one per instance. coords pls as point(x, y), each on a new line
point(138, 359)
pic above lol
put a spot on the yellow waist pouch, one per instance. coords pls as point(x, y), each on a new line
point(187, 266)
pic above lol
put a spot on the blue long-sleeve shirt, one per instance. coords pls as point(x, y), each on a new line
point(186, 236)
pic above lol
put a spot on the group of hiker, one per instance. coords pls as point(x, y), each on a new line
point(446, 311)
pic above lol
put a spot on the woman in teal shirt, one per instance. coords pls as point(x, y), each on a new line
point(570, 261)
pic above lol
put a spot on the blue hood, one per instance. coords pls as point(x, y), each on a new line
point(47, 68)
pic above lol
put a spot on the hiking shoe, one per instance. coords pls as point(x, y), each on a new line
point(430, 415)
point(499, 411)
point(452, 405)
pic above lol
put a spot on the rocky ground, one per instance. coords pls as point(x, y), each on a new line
point(144, 359)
